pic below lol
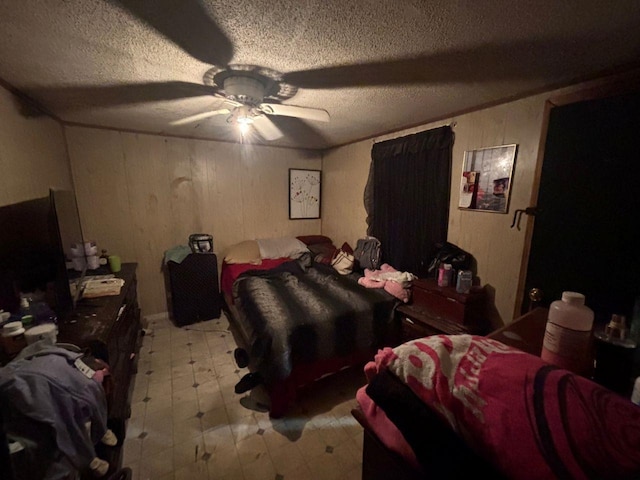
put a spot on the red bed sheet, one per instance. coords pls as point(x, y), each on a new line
point(231, 271)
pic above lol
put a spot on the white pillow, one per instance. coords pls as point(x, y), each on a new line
point(281, 247)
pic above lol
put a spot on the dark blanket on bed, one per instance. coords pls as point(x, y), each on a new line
point(304, 311)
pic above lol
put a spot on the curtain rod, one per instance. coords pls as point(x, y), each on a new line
point(399, 134)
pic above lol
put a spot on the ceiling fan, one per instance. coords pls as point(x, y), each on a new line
point(253, 95)
point(244, 88)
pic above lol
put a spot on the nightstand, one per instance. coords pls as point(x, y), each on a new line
point(435, 310)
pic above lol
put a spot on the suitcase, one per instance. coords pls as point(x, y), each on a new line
point(193, 292)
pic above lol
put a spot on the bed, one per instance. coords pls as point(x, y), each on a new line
point(298, 318)
point(457, 406)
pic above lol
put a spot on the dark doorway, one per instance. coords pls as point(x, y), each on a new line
point(586, 236)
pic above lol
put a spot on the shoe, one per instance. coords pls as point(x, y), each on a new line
point(247, 382)
point(242, 357)
point(99, 467)
point(109, 439)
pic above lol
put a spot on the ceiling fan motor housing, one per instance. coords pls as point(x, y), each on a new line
point(244, 89)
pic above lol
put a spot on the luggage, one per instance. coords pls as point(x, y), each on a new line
point(367, 253)
point(193, 290)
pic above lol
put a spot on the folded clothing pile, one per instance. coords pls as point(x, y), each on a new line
point(394, 282)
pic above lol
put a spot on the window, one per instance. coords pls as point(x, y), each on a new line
point(407, 197)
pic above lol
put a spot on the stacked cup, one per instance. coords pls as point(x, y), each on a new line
point(77, 257)
point(91, 251)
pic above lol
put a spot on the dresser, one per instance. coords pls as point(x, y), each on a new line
point(110, 328)
point(435, 310)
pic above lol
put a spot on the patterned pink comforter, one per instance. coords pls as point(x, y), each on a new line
point(527, 418)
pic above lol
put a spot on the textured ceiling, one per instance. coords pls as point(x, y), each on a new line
point(398, 63)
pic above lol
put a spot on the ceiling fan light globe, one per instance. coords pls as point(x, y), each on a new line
point(244, 128)
point(244, 120)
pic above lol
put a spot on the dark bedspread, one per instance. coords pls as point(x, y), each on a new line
point(301, 312)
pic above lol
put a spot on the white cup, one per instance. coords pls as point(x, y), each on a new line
point(77, 250)
point(93, 262)
point(47, 332)
point(78, 263)
point(90, 248)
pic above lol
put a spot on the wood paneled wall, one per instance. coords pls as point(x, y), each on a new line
point(345, 171)
point(496, 247)
point(140, 195)
point(33, 155)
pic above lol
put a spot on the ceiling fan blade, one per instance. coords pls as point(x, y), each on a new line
point(301, 130)
point(187, 24)
point(295, 111)
point(200, 116)
point(112, 95)
point(522, 60)
point(233, 103)
point(266, 128)
point(394, 72)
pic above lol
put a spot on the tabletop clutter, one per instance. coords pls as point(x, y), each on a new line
point(607, 355)
point(59, 393)
point(85, 256)
point(34, 321)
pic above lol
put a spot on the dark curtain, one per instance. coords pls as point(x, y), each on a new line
point(407, 197)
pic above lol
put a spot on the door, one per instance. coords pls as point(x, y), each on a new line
point(585, 236)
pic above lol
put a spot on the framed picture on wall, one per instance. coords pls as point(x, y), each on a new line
point(305, 187)
point(486, 178)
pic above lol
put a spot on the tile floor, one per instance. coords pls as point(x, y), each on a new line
point(188, 423)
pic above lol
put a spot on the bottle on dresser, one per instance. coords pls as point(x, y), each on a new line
point(464, 281)
point(445, 275)
point(614, 352)
point(568, 334)
point(104, 258)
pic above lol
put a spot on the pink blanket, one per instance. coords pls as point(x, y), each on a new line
point(529, 419)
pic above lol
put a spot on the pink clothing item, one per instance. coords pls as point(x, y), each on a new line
point(382, 359)
point(385, 429)
point(101, 373)
point(397, 291)
point(369, 281)
point(374, 279)
point(99, 376)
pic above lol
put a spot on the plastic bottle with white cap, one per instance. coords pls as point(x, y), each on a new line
point(567, 339)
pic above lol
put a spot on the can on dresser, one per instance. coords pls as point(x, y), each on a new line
point(13, 338)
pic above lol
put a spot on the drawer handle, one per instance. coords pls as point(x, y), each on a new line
point(121, 311)
point(451, 299)
point(408, 320)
